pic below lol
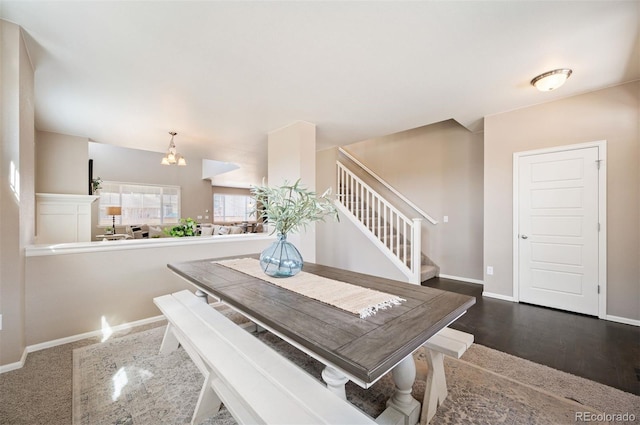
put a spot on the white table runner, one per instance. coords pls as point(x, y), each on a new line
point(352, 298)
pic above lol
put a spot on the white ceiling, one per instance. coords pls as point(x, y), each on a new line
point(224, 74)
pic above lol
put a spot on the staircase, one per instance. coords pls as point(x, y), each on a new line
point(393, 232)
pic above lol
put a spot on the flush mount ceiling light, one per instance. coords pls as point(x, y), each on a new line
point(173, 157)
point(551, 80)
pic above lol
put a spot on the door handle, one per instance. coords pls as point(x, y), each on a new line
point(524, 237)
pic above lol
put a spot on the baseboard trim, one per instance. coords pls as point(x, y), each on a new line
point(624, 320)
point(78, 337)
point(498, 296)
point(462, 279)
point(13, 366)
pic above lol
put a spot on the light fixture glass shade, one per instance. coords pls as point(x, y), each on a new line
point(551, 80)
point(172, 156)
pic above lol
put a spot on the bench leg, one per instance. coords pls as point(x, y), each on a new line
point(250, 327)
point(208, 402)
point(169, 342)
point(435, 390)
point(404, 375)
point(202, 295)
point(335, 381)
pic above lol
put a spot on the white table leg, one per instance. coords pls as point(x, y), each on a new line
point(335, 381)
point(404, 375)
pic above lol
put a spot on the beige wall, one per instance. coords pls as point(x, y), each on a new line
point(291, 155)
point(27, 150)
point(61, 163)
point(438, 167)
point(69, 294)
point(16, 210)
point(231, 190)
point(610, 114)
point(137, 166)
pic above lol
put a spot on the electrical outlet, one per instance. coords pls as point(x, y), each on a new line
point(206, 217)
point(446, 219)
point(490, 270)
point(0, 322)
point(199, 217)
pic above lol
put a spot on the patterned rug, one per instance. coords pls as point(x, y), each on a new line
point(126, 381)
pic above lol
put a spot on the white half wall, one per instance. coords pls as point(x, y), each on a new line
point(72, 289)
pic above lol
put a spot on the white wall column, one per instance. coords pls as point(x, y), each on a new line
point(291, 155)
point(17, 206)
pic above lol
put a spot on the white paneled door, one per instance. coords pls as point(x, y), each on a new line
point(558, 229)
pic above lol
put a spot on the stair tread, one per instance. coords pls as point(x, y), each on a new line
point(428, 272)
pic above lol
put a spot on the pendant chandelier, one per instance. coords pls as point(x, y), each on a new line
point(172, 156)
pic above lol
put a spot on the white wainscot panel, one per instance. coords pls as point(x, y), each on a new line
point(63, 218)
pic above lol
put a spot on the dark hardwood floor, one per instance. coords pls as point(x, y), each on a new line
point(600, 350)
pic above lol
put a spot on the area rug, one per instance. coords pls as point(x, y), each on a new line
point(126, 381)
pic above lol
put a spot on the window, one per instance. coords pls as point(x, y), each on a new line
point(141, 204)
point(232, 208)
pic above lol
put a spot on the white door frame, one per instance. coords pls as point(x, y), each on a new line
point(602, 217)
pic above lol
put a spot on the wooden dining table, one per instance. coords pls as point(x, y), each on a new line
point(351, 348)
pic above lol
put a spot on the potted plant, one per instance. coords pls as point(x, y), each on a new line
point(288, 208)
point(96, 185)
point(187, 227)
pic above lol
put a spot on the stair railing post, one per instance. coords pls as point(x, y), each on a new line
point(416, 249)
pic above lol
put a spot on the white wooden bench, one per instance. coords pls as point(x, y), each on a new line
point(256, 384)
point(448, 342)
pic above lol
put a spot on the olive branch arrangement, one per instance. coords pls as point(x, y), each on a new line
point(292, 206)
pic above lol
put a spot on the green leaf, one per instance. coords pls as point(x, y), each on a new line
point(290, 207)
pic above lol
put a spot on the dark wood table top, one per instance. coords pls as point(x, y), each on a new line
point(363, 348)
